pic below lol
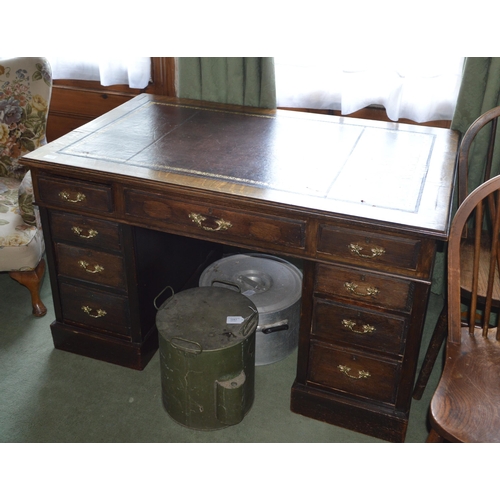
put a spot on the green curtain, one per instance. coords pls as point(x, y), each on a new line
point(479, 92)
point(245, 81)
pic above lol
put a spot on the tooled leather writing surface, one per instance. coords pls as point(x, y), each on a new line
point(257, 150)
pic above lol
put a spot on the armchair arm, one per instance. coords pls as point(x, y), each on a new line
point(25, 199)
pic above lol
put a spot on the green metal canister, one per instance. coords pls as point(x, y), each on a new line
point(207, 356)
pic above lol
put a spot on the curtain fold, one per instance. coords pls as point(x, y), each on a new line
point(420, 88)
point(132, 71)
point(245, 81)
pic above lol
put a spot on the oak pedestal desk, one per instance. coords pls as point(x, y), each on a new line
point(145, 196)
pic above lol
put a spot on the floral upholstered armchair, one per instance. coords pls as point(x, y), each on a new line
point(25, 91)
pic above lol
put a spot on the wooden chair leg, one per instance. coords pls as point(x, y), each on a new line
point(32, 280)
point(434, 437)
point(437, 339)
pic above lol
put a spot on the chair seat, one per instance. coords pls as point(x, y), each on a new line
point(466, 404)
point(21, 245)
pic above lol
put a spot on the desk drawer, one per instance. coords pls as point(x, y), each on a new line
point(91, 265)
point(364, 287)
point(75, 195)
point(368, 249)
point(96, 310)
point(203, 219)
point(353, 373)
point(334, 322)
point(85, 231)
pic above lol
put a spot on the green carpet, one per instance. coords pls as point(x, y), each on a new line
point(51, 396)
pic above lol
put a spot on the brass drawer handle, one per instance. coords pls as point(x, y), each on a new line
point(350, 325)
point(91, 233)
point(361, 373)
point(85, 265)
point(198, 219)
point(99, 313)
point(371, 291)
point(357, 249)
point(67, 197)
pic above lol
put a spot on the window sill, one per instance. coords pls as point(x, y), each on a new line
point(373, 113)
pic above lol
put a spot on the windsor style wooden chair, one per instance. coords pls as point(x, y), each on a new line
point(466, 404)
point(483, 129)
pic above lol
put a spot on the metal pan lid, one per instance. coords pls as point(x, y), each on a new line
point(272, 283)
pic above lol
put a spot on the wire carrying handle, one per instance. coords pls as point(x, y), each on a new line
point(156, 298)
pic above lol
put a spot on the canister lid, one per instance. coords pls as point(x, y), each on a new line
point(272, 283)
point(206, 318)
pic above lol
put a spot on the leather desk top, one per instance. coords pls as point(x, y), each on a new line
point(398, 174)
